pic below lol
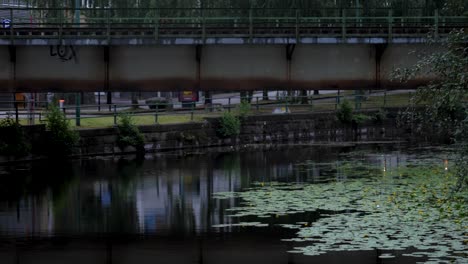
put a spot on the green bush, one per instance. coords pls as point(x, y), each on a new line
point(360, 118)
point(129, 134)
point(12, 139)
point(229, 125)
point(345, 112)
point(244, 109)
point(61, 138)
point(380, 116)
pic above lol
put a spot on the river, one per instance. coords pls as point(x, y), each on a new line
point(172, 208)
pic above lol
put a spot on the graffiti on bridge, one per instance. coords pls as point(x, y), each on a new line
point(63, 52)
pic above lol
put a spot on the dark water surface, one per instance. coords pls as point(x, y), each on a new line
point(161, 210)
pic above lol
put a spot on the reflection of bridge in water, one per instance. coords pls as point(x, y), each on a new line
point(212, 49)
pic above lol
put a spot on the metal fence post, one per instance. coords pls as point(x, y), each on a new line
point(385, 98)
point(191, 112)
point(16, 112)
point(257, 103)
point(229, 104)
point(390, 25)
point(60, 26)
point(11, 26)
point(343, 24)
point(156, 25)
point(436, 23)
point(108, 26)
point(115, 114)
point(203, 26)
point(250, 25)
point(156, 115)
point(297, 26)
point(78, 109)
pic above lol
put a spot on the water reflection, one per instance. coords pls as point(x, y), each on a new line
point(163, 196)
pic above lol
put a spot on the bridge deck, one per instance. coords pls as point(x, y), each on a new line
point(242, 27)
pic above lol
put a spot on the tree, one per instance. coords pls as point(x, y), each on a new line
point(445, 109)
point(61, 138)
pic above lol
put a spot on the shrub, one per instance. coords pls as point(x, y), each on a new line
point(129, 134)
point(345, 112)
point(12, 139)
point(380, 116)
point(229, 125)
point(360, 118)
point(244, 109)
point(61, 138)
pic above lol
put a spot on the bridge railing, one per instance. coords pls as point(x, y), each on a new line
point(196, 22)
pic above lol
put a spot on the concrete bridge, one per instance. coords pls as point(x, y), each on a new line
point(243, 52)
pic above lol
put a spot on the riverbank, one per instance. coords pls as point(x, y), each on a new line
point(304, 128)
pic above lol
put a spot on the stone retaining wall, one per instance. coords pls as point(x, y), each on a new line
point(264, 129)
point(318, 127)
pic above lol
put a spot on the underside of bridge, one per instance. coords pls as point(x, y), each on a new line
point(69, 68)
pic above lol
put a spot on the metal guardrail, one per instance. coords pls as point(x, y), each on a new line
point(220, 22)
point(34, 111)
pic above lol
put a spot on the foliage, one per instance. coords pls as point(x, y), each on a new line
point(445, 100)
point(12, 139)
point(229, 125)
point(461, 137)
point(380, 116)
point(360, 118)
point(129, 134)
point(244, 109)
point(61, 138)
point(390, 210)
point(345, 112)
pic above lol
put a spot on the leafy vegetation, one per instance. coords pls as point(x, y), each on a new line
point(360, 118)
point(129, 134)
point(372, 207)
point(445, 100)
point(12, 139)
point(244, 109)
point(61, 138)
point(380, 116)
point(345, 112)
point(229, 125)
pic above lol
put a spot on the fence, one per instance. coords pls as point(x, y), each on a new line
point(107, 23)
point(155, 113)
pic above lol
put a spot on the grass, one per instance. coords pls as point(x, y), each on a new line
point(372, 102)
point(108, 121)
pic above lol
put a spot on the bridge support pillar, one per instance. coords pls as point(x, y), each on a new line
point(198, 59)
point(106, 76)
point(379, 52)
point(12, 78)
point(289, 54)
